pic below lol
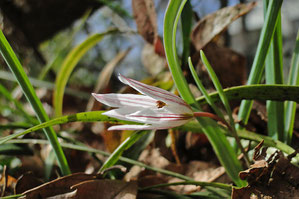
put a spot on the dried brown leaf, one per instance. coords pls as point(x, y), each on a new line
point(27, 181)
point(58, 186)
point(146, 19)
point(275, 177)
point(213, 24)
point(105, 189)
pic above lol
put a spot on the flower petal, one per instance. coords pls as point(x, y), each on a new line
point(159, 118)
point(154, 92)
point(122, 113)
point(131, 127)
point(166, 121)
point(141, 127)
point(149, 116)
point(119, 100)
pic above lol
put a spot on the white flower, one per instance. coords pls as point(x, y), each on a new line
point(156, 108)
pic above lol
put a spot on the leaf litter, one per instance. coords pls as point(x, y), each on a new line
point(272, 177)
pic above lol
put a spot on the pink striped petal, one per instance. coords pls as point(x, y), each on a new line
point(139, 127)
point(154, 92)
point(156, 116)
point(148, 116)
point(130, 127)
point(142, 127)
point(122, 113)
point(119, 100)
point(161, 121)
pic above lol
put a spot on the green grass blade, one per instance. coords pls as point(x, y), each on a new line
point(218, 86)
point(114, 157)
point(274, 75)
point(198, 183)
point(68, 66)
point(293, 80)
point(14, 125)
point(220, 144)
point(257, 92)
point(203, 90)
point(260, 56)
point(170, 23)
point(81, 117)
point(225, 102)
point(20, 75)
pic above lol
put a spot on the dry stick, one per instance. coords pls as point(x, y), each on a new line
point(173, 145)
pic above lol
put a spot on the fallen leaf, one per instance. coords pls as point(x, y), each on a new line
point(213, 24)
point(58, 186)
point(26, 181)
point(105, 189)
point(146, 19)
point(275, 177)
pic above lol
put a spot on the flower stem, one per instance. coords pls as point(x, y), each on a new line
point(212, 116)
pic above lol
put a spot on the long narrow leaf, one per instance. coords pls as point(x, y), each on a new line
point(20, 75)
point(260, 56)
point(274, 75)
point(257, 92)
point(170, 23)
point(82, 117)
point(68, 66)
point(224, 100)
point(215, 184)
point(218, 86)
point(220, 144)
point(293, 80)
point(203, 90)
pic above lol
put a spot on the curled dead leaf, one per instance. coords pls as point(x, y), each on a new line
point(275, 177)
point(213, 24)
